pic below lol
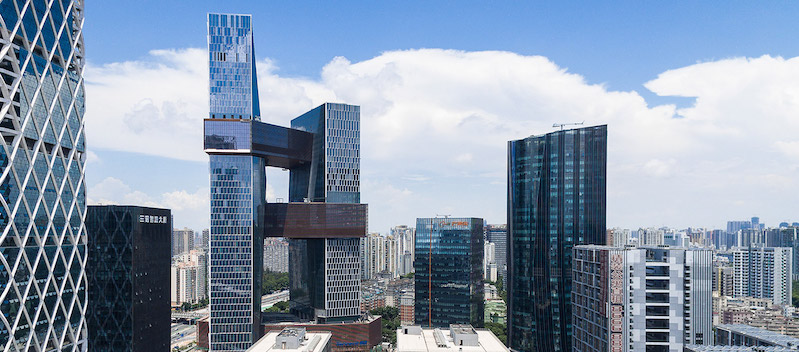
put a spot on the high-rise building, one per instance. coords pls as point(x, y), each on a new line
point(128, 276)
point(189, 278)
point(556, 200)
point(763, 272)
point(735, 226)
point(618, 237)
point(182, 241)
point(206, 235)
point(498, 235)
point(374, 255)
point(489, 251)
point(449, 271)
point(323, 220)
point(641, 299)
point(723, 280)
point(43, 246)
point(651, 236)
point(276, 255)
point(392, 257)
point(405, 237)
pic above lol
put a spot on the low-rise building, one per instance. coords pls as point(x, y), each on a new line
point(745, 335)
point(293, 340)
point(458, 338)
point(406, 306)
point(757, 312)
point(495, 311)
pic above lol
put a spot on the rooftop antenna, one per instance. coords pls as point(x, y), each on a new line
point(443, 215)
point(567, 124)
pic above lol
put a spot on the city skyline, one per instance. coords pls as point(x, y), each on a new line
point(436, 120)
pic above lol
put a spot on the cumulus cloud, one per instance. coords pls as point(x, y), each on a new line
point(435, 126)
point(187, 207)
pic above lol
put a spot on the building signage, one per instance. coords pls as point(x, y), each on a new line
point(152, 219)
point(616, 302)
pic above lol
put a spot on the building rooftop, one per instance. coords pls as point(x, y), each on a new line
point(417, 339)
point(704, 348)
point(293, 340)
point(771, 337)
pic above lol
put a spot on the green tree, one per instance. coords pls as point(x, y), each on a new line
point(279, 307)
point(274, 281)
point(408, 275)
point(500, 330)
point(390, 323)
point(795, 298)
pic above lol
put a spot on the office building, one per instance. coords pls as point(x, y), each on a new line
point(498, 235)
point(182, 241)
point(323, 220)
point(449, 271)
point(128, 278)
point(763, 273)
point(641, 299)
point(457, 338)
point(42, 282)
point(276, 255)
point(293, 340)
point(556, 200)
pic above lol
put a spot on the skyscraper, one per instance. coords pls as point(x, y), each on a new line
point(323, 220)
point(641, 299)
point(237, 189)
point(128, 274)
point(43, 241)
point(556, 200)
point(449, 272)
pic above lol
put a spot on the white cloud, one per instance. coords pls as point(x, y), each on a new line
point(435, 123)
point(186, 207)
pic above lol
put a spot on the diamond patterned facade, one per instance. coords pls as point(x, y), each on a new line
point(42, 238)
point(128, 274)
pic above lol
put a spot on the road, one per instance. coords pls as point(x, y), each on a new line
point(270, 299)
point(183, 334)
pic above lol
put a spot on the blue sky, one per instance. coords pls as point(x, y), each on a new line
point(614, 48)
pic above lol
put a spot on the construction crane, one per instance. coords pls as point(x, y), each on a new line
point(567, 124)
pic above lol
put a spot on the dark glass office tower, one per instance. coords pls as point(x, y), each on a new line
point(42, 189)
point(449, 272)
point(128, 274)
point(556, 200)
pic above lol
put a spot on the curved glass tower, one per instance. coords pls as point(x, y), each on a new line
point(556, 200)
point(42, 202)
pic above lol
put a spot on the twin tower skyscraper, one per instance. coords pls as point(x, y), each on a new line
point(323, 219)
